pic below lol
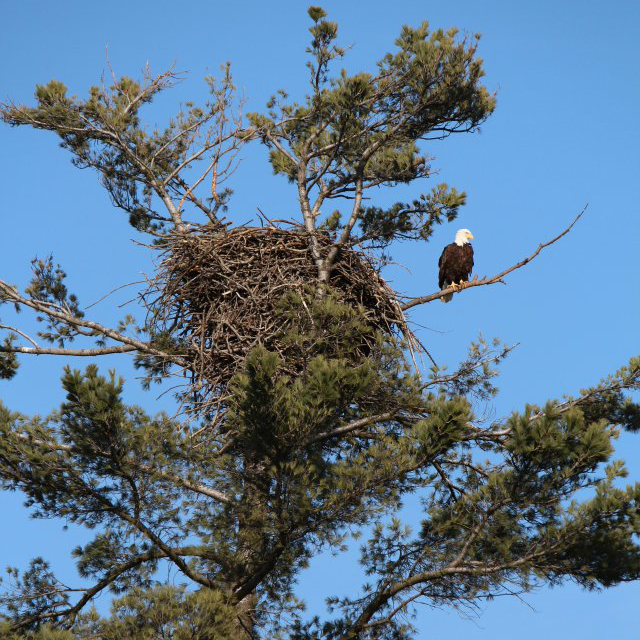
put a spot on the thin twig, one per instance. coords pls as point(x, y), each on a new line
point(106, 295)
point(24, 335)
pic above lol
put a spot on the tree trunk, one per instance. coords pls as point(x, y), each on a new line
point(245, 619)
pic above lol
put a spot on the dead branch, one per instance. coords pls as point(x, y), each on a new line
point(106, 295)
point(55, 311)
point(493, 279)
point(351, 426)
point(22, 333)
point(55, 351)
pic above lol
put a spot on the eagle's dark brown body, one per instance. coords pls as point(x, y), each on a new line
point(456, 264)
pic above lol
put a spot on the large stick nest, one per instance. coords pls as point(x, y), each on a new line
point(218, 294)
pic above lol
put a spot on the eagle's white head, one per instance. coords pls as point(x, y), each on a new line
point(463, 236)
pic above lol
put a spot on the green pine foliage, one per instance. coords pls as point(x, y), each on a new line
point(301, 459)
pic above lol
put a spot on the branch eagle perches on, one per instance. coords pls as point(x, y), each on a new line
point(477, 282)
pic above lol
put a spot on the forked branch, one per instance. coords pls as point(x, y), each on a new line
point(10, 293)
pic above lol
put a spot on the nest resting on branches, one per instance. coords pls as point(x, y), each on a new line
point(219, 292)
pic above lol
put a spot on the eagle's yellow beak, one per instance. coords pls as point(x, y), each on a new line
point(470, 235)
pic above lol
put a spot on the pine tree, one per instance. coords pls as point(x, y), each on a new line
point(322, 424)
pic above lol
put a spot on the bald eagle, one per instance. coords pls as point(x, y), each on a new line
point(456, 262)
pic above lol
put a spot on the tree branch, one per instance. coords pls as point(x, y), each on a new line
point(629, 382)
point(349, 427)
point(191, 485)
point(346, 232)
point(12, 294)
point(493, 279)
point(469, 569)
point(112, 574)
point(24, 335)
point(99, 351)
point(146, 531)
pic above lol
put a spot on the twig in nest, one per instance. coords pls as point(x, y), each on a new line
point(217, 295)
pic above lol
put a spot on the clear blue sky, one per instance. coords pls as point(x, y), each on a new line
point(565, 132)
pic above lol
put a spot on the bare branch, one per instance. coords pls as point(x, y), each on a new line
point(192, 485)
point(24, 335)
point(53, 351)
point(351, 426)
point(493, 279)
point(12, 294)
point(122, 286)
point(194, 156)
point(346, 232)
point(278, 145)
